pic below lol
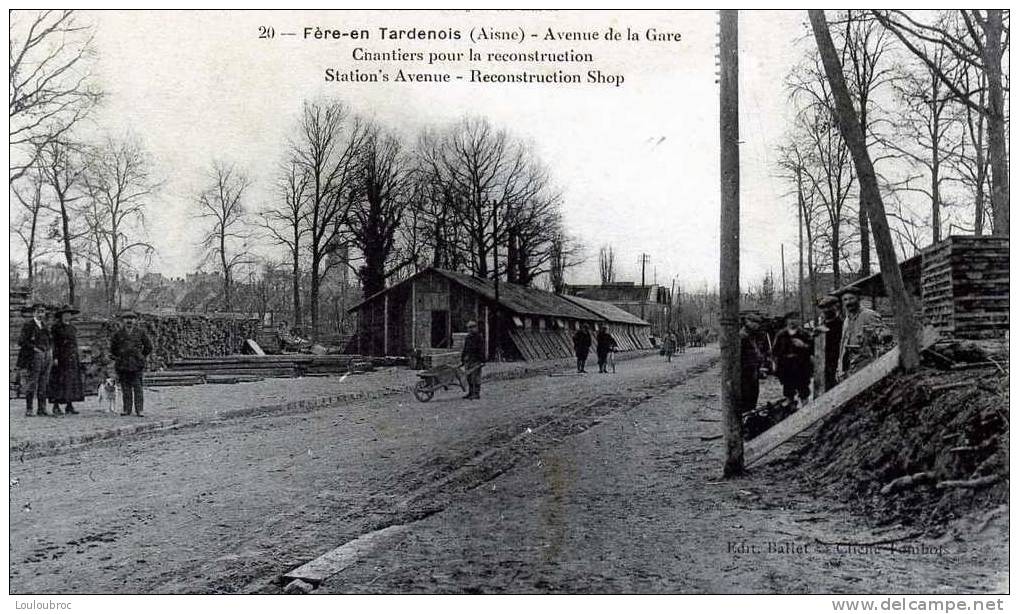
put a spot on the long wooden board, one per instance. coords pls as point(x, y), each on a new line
point(828, 402)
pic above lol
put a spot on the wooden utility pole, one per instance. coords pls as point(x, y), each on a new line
point(495, 267)
point(644, 259)
point(799, 280)
point(728, 281)
point(852, 133)
point(784, 292)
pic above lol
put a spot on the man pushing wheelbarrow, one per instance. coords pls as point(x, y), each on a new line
point(467, 375)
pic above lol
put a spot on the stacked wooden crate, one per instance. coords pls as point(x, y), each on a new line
point(965, 287)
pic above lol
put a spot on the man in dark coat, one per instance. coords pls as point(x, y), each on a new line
point(130, 347)
point(832, 327)
point(751, 361)
point(793, 351)
point(35, 358)
point(605, 345)
point(66, 379)
point(473, 359)
point(581, 346)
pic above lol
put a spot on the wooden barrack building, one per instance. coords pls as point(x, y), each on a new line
point(430, 310)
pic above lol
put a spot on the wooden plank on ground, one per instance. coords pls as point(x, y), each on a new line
point(827, 403)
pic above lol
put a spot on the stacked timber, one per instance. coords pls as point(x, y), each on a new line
point(273, 365)
point(174, 378)
point(965, 287)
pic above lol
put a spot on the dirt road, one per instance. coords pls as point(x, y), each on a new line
point(570, 483)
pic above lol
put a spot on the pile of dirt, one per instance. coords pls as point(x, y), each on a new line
point(918, 449)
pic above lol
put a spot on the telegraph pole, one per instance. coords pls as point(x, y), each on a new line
point(644, 260)
point(799, 283)
point(495, 252)
point(784, 293)
point(728, 282)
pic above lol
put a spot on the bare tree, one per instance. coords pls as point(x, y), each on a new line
point(852, 131)
point(533, 226)
point(380, 196)
point(118, 182)
point(221, 202)
point(793, 165)
point(491, 183)
point(63, 165)
point(28, 226)
point(287, 224)
point(971, 164)
point(566, 253)
point(328, 139)
point(606, 264)
point(825, 161)
point(50, 81)
point(864, 46)
point(436, 204)
point(980, 39)
point(926, 134)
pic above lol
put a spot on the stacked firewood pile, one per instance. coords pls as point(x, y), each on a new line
point(194, 335)
point(173, 336)
point(19, 299)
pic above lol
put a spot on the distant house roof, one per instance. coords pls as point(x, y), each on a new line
point(622, 292)
point(525, 300)
point(873, 285)
point(607, 311)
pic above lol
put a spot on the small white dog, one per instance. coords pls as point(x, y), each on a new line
point(109, 395)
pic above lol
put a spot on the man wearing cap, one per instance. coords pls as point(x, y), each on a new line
point(581, 346)
point(831, 326)
point(863, 332)
point(792, 351)
point(66, 383)
point(473, 359)
point(130, 347)
point(751, 360)
point(35, 358)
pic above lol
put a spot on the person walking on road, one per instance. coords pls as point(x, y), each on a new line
point(130, 347)
point(67, 384)
point(793, 351)
point(581, 346)
point(473, 359)
point(606, 345)
point(669, 346)
point(35, 359)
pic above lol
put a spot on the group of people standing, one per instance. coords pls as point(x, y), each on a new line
point(604, 345)
point(50, 363)
point(854, 335)
point(49, 360)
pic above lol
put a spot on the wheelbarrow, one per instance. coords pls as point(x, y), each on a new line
point(442, 377)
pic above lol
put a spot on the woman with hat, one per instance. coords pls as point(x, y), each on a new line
point(67, 383)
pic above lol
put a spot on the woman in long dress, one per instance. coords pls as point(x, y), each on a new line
point(67, 384)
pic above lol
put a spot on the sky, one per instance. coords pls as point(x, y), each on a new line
point(637, 164)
